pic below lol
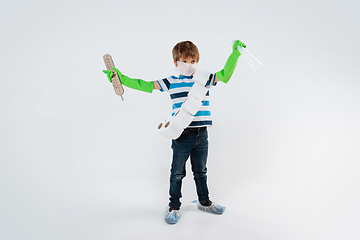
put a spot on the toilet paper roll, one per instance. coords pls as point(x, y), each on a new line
point(198, 91)
point(192, 105)
point(170, 129)
point(183, 118)
point(201, 76)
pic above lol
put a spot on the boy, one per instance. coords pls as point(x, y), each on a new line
point(193, 141)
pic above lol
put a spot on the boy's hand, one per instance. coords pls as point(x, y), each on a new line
point(236, 44)
point(110, 74)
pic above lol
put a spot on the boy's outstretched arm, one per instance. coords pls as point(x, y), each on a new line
point(137, 84)
point(225, 74)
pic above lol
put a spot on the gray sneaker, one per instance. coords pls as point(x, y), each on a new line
point(212, 208)
point(172, 215)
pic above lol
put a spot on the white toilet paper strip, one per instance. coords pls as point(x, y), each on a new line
point(183, 118)
point(192, 104)
point(198, 91)
point(201, 76)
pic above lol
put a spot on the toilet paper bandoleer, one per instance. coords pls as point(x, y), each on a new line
point(189, 92)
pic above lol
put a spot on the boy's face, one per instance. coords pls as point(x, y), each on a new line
point(188, 60)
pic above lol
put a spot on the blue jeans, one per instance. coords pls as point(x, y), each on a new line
point(193, 142)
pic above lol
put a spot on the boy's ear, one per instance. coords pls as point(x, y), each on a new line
point(175, 63)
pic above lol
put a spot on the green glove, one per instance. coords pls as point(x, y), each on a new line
point(109, 74)
point(137, 84)
point(225, 74)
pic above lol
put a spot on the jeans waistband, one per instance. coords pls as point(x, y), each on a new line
point(195, 129)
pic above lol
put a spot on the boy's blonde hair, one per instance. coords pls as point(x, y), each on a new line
point(185, 49)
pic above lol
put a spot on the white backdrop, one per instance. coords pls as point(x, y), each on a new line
point(78, 163)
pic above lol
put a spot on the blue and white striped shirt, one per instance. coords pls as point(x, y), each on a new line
point(178, 88)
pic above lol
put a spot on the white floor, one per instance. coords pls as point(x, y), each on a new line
point(78, 163)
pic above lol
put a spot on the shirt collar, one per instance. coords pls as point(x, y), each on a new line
point(185, 77)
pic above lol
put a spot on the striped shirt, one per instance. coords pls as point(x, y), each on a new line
point(178, 87)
